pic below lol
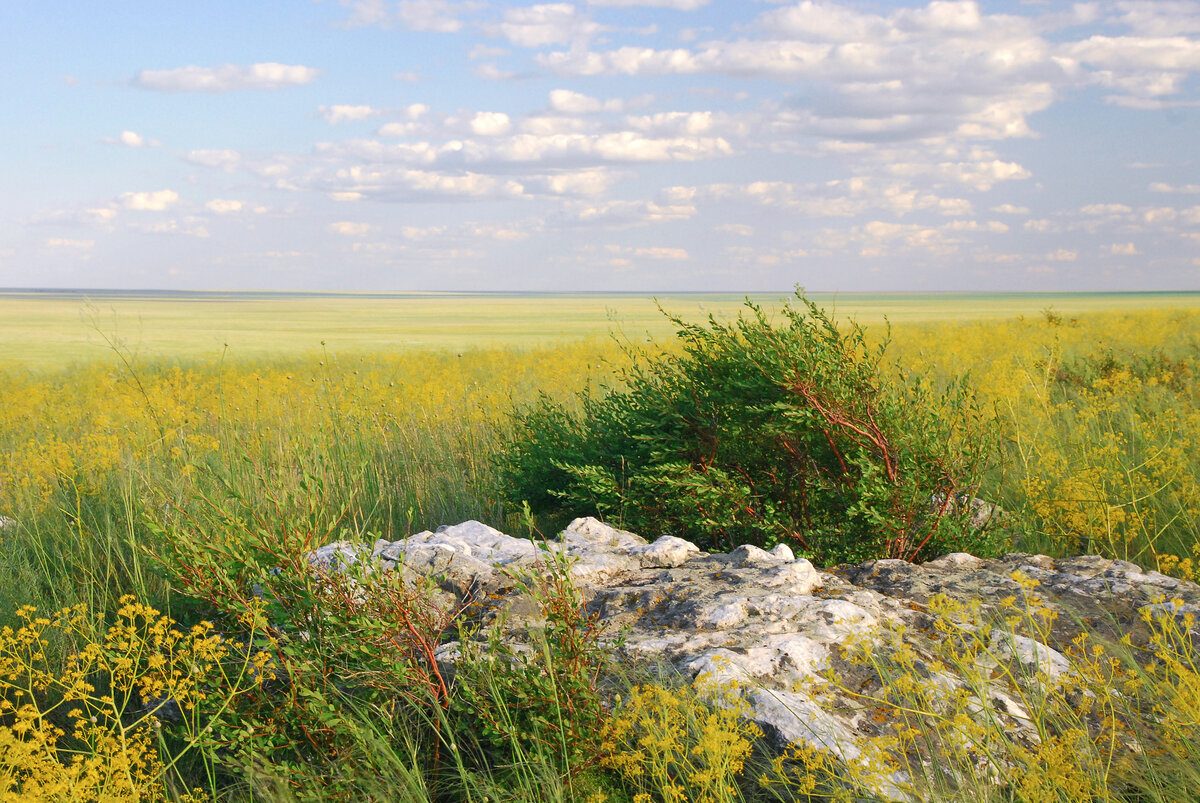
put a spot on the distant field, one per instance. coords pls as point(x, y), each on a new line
point(52, 330)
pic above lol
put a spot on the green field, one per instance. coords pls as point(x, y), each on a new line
point(173, 446)
point(52, 330)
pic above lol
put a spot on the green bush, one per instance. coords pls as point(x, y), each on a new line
point(764, 432)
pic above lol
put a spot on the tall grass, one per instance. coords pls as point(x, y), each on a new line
point(102, 469)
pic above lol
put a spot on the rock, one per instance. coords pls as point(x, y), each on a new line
point(774, 626)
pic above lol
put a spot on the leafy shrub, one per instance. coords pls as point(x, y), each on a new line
point(764, 432)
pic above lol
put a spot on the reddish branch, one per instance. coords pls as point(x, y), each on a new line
point(868, 429)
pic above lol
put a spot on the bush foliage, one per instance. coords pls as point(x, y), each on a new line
point(764, 432)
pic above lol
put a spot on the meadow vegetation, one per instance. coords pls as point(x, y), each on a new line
point(150, 504)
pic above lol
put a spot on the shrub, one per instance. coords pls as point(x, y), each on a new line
point(764, 432)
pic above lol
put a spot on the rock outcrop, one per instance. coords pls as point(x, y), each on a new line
point(779, 629)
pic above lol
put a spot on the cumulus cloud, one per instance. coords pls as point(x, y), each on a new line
point(223, 158)
point(391, 183)
point(349, 228)
point(569, 102)
point(365, 12)
point(62, 242)
point(132, 139)
point(224, 206)
point(661, 252)
point(227, 77)
point(188, 226)
point(490, 124)
point(341, 114)
point(544, 24)
point(1011, 209)
point(578, 183)
point(1105, 209)
point(1158, 17)
point(494, 149)
point(626, 214)
point(155, 201)
point(438, 16)
point(1123, 249)
point(740, 229)
point(678, 5)
point(945, 69)
point(1160, 186)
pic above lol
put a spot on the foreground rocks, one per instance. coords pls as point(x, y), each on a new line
point(778, 629)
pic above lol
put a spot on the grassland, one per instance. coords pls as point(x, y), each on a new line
point(55, 330)
point(137, 425)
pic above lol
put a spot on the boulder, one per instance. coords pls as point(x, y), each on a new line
point(778, 630)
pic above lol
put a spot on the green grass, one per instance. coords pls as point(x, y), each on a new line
point(393, 429)
point(51, 331)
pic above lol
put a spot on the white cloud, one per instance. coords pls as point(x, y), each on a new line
point(992, 226)
point(503, 233)
point(552, 125)
point(740, 229)
point(340, 114)
point(1160, 53)
point(490, 72)
point(438, 16)
point(1011, 209)
point(981, 175)
point(490, 124)
point(62, 242)
point(1162, 214)
point(223, 206)
point(155, 201)
point(678, 5)
point(132, 139)
point(569, 102)
point(365, 12)
point(350, 229)
point(486, 52)
point(227, 77)
point(620, 146)
point(1062, 255)
point(224, 158)
point(101, 215)
point(660, 252)
point(1160, 186)
point(189, 226)
point(625, 214)
point(381, 182)
point(1105, 209)
point(1123, 249)
point(544, 24)
point(582, 183)
point(1159, 17)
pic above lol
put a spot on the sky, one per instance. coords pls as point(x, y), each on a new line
point(610, 145)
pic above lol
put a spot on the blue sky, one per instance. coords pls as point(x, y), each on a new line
point(642, 145)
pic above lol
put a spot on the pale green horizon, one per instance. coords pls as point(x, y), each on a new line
point(53, 330)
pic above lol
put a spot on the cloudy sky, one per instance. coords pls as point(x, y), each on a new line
point(644, 145)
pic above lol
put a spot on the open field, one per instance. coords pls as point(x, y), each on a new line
point(125, 470)
point(56, 329)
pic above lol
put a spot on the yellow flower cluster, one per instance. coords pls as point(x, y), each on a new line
point(81, 429)
point(113, 692)
point(1103, 419)
point(684, 745)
